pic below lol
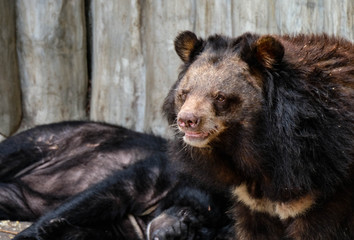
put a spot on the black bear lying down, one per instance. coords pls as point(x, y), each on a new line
point(104, 182)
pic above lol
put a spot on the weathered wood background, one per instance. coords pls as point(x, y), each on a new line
point(114, 61)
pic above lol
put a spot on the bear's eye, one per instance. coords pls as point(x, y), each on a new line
point(183, 95)
point(221, 102)
point(220, 98)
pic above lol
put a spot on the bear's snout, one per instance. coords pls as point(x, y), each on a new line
point(196, 119)
point(188, 120)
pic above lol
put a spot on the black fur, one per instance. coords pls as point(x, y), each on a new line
point(102, 180)
point(287, 138)
point(42, 167)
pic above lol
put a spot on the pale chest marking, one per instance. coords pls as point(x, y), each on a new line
point(283, 210)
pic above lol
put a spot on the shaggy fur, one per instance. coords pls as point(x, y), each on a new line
point(271, 117)
point(104, 182)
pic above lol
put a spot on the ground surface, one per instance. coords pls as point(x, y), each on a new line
point(8, 229)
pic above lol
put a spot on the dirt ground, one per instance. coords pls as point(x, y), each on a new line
point(8, 229)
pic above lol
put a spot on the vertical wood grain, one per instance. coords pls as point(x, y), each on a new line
point(10, 92)
point(133, 59)
point(118, 79)
point(52, 59)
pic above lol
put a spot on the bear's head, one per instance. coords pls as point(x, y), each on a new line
point(220, 85)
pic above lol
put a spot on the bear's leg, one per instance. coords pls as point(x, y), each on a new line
point(333, 221)
point(130, 191)
point(331, 218)
point(13, 205)
point(255, 225)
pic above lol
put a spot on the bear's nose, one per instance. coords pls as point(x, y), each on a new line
point(188, 120)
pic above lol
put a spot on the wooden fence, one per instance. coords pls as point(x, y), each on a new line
point(114, 61)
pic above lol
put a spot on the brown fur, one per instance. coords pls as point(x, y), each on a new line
point(272, 118)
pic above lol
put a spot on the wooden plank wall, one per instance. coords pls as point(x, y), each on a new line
point(53, 50)
point(10, 92)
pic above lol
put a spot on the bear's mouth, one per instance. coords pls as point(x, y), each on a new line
point(196, 139)
point(196, 135)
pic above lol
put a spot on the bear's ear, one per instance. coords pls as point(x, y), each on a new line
point(266, 50)
point(187, 46)
point(269, 51)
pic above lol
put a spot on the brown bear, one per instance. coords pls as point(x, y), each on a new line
point(272, 118)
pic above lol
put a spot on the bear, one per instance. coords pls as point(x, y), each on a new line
point(270, 117)
point(90, 180)
point(43, 166)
